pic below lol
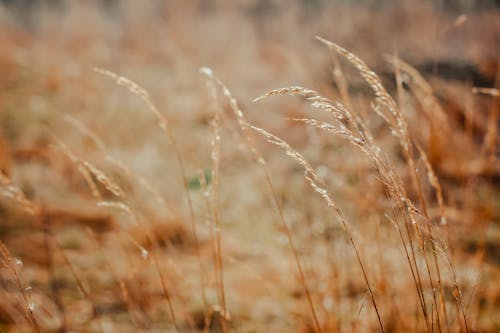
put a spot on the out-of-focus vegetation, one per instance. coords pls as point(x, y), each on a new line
point(163, 197)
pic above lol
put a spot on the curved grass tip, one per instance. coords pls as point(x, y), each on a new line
point(334, 46)
point(206, 71)
point(259, 98)
point(104, 72)
point(330, 43)
point(322, 40)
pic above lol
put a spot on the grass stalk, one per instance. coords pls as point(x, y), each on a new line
point(137, 90)
point(245, 128)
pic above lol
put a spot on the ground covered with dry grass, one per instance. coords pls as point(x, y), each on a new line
point(146, 187)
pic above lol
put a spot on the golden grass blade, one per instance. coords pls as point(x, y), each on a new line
point(315, 182)
point(245, 129)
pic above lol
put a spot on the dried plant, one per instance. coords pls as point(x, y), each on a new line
point(381, 180)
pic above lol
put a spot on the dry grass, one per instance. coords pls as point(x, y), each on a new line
point(368, 202)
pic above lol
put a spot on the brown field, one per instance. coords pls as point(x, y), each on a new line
point(249, 166)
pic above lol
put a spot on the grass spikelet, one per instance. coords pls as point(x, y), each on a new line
point(106, 181)
point(359, 135)
point(84, 172)
point(133, 176)
point(399, 127)
point(362, 198)
point(315, 182)
point(245, 129)
point(9, 190)
point(310, 174)
point(137, 90)
point(292, 91)
point(87, 169)
point(121, 206)
point(382, 96)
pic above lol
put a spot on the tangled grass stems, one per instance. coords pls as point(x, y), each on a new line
point(245, 129)
point(37, 212)
point(119, 164)
point(9, 190)
point(435, 114)
point(433, 181)
point(122, 205)
point(427, 92)
point(318, 186)
point(395, 119)
point(350, 127)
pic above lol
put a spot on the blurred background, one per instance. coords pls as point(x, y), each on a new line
point(80, 270)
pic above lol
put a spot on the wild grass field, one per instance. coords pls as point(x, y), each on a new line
point(249, 166)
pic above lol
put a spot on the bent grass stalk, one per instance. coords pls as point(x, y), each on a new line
point(15, 193)
point(133, 176)
point(395, 119)
point(123, 206)
point(245, 128)
point(417, 182)
point(250, 144)
point(318, 186)
point(423, 91)
point(358, 134)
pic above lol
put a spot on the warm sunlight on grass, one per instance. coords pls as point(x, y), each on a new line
point(253, 166)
